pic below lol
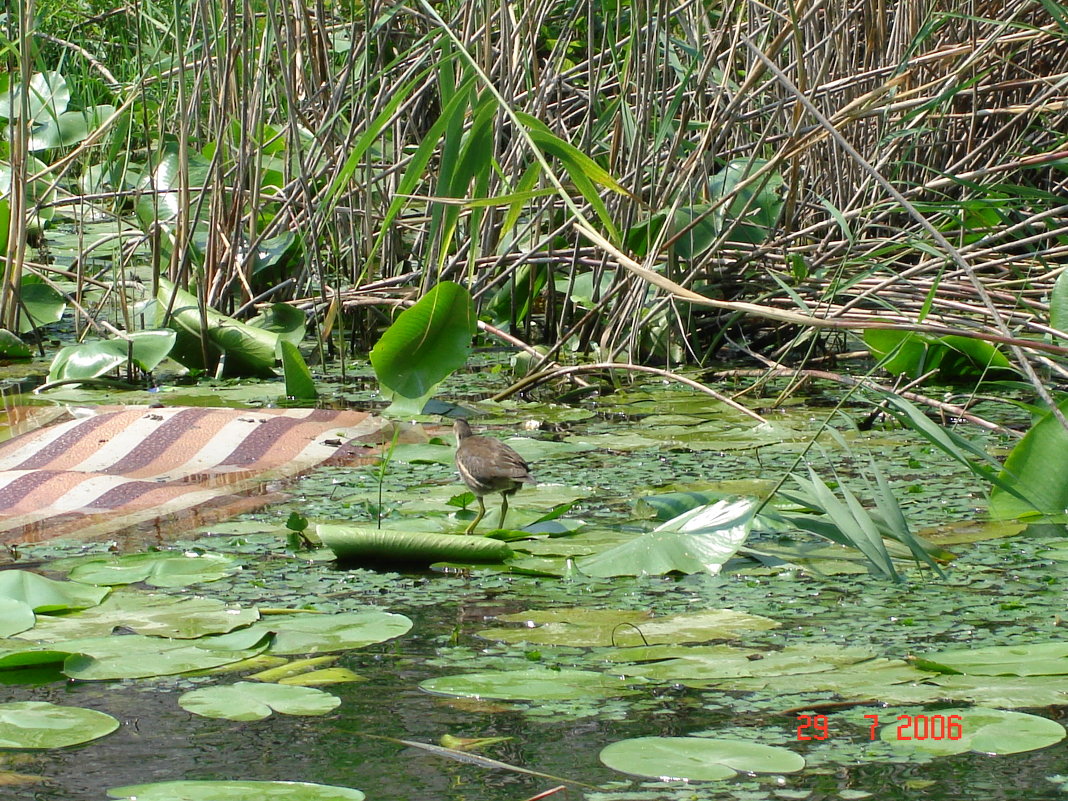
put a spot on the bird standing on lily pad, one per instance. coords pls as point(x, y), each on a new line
point(487, 465)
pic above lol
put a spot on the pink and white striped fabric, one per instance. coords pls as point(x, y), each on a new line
point(125, 467)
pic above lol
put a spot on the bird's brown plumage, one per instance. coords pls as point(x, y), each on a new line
point(486, 466)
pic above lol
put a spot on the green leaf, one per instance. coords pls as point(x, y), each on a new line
point(15, 616)
point(135, 656)
point(68, 128)
point(148, 614)
point(1058, 306)
point(36, 724)
point(299, 382)
point(427, 341)
point(11, 347)
point(250, 700)
point(40, 303)
point(94, 359)
point(243, 350)
point(1035, 478)
point(697, 758)
point(312, 633)
point(45, 595)
point(234, 791)
point(1033, 659)
point(351, 542)
point(596, 627)
point(701, 539)
point(536, 684)
point(986, 731)
point(155, 568)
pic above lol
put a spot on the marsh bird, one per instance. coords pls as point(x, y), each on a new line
point(487, 465)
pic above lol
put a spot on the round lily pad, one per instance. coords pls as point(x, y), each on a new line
point(156, 568)
point(15, 616)
point(235, 791)
point(249, 700)
point(697, 758)
point(36, 724)
point(538, 684)
point(986, 731)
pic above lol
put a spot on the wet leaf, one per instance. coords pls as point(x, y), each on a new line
point(45, 595)
point(537, 684)
point(234, 791)
point(156, 568)
point(697, 758)
point(36, 724)
point(249, 700)
point(986, 731)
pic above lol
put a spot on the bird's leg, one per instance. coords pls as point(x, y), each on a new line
point(504, 509)
point(481, 514)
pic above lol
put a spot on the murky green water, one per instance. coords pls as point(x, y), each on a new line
point(997, 592)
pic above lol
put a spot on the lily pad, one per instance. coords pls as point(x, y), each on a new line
point(702, 539)
point(151, 614)
point(307, 634)
point(697, 758)
point(234, 791)
point(45, 595)
point(250, 700)
point(157, 569)
point(593, 627)
point(536, 684)
point(15, 616)
point(135, 656)
point(1033, 659)
point(36, 724)
point(986, 731)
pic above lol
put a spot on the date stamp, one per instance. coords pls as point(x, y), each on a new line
point(909, 727)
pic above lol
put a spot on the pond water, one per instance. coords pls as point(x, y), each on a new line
point(1007, 591)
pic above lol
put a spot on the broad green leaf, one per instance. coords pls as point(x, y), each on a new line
point(697, 758)
point(36, 724)
point(156, 568)
point(986, 731)
point(1058, 306)
point(1035, 478)
point(135, 656)
point(1004, 691)
point(250, 700)
point(244, 350)
point(1033, 659)
point(12, 347)
point(234, 791)
point(536, 684)
point(146, 349)
point(426, 342)
point(299, 382)
point(47, 96)
point(901, 352)
point(282, 319)
point(312, 633)
point(45, 595)
point(68, 128)
point(354, 542)
point(150, 614)
point(40, 304)
point(15, 616)
point(597, 627)
point(701, 539)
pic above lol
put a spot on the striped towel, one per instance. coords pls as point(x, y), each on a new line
point(148, 471)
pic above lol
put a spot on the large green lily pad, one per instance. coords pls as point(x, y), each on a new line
point(1033, 659)
point(313, 633)
point(151, 614)
point(536, 684)
point(593, 627)
point(987, 731)
point(36, 724)
point(249, 700)
point(156, 568)
point(697, 758)
point(234, 791)
point(46, 595)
